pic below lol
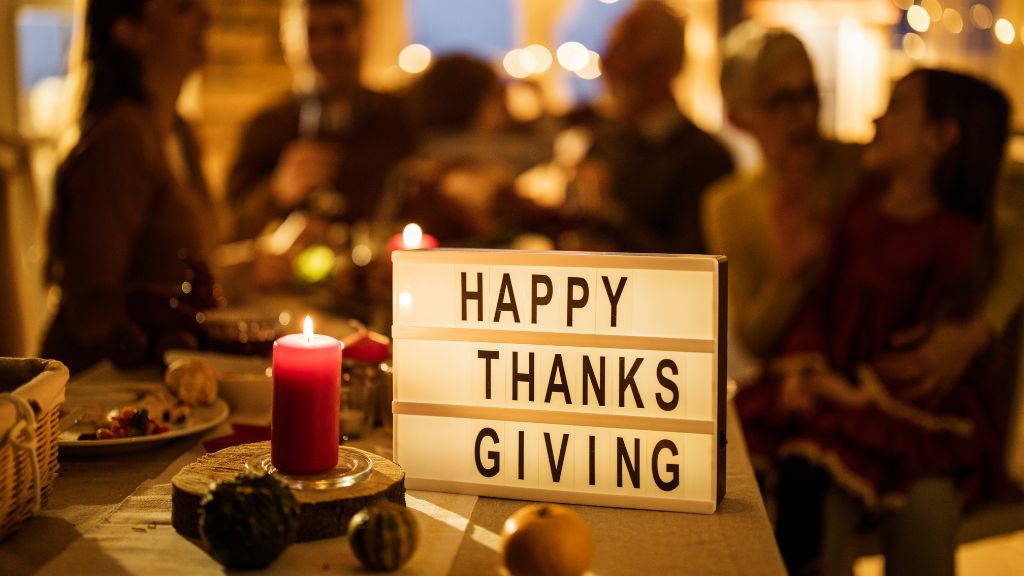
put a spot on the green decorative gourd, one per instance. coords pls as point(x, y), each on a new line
point(383, 536)
point(246, 523)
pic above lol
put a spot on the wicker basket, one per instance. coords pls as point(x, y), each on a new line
point(38, 385)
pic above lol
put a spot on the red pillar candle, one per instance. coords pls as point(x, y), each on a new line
point(307, 394)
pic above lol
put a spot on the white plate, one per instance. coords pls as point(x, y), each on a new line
point(97, 398)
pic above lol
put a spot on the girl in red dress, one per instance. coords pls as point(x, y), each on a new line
point(912, 247)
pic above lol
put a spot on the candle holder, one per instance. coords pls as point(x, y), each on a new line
point(353, 467)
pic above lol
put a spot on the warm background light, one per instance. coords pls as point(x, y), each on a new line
point(1005, 31)
point(573, 56)
point(593, 68)
point(952, 20)
point(933, 8)
point(918, 18)
point(903, 4)
point(914, 46)
point(981, 16)
point(513, 65)
point(414, 58)
point(541, 56)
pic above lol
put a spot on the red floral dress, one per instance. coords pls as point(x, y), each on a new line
point(885, 276)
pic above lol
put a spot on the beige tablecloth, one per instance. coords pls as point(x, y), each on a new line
point(111, 515)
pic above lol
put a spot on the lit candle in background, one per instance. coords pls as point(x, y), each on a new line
point(307, 398)
point(411, 238)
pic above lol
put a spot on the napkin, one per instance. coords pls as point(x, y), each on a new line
point(38, 382)
point(240, 434)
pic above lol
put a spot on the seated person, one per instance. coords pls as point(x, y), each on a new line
point(327, 150)
point(132, 223)
point(650, 164)
point(460, 181)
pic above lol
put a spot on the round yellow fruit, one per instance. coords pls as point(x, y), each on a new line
point(546, 540)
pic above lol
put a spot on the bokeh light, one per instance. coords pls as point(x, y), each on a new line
point(933, 8)
point(903, 4)
point(952, 20)
point(918, 18)
point(541, 55)
point(1004, 31)
point(513, 64)
point(981, 16)
point(414, 58)
point(573, 56)
point(914, 46)
point(593, 68)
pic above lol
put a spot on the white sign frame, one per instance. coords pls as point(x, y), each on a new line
point(405, 332)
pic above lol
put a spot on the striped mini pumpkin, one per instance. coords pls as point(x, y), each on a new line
point(383, 536)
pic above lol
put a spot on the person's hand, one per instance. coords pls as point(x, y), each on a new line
point(304, 165)
point(794, 395)
point(834, 387)
point(939, 360)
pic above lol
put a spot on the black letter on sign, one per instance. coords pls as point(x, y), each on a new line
point(629, 381)
point(668, 384)
point(487, 356)
point(576, 302)
point(518, 376)
point(593, 458)
point(597, 383)
point(506, 286)
point(556, 469)
point(557, 368)
point(494, 455)
point(633, 467)
point(522, 452)
point(477, 295)
point(538, 300)
point(613, 298)
point(673, 469)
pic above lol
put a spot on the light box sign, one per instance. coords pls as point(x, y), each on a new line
point(560, 376)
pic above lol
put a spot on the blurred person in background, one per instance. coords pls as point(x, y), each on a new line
point(775, 223)
point(328, 148)
point(914, 247)
point(649, 164)
point(132, 224)
point(470, 152)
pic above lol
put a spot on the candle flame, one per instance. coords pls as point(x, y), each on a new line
point(412, 236)
point(307, 329)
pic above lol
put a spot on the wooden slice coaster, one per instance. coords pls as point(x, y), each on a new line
point(323, 513)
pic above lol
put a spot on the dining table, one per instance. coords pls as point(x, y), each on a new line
point(110, 513)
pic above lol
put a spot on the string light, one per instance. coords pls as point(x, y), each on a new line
point(414, 58)
point(914, 46)
point(933, 8)
point(952, 21)
point(918, 18)
point(981, 16)
point(593, 68)
point(573, 56)
point(1004, 30)
point(541, 55)
point(513, 64)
